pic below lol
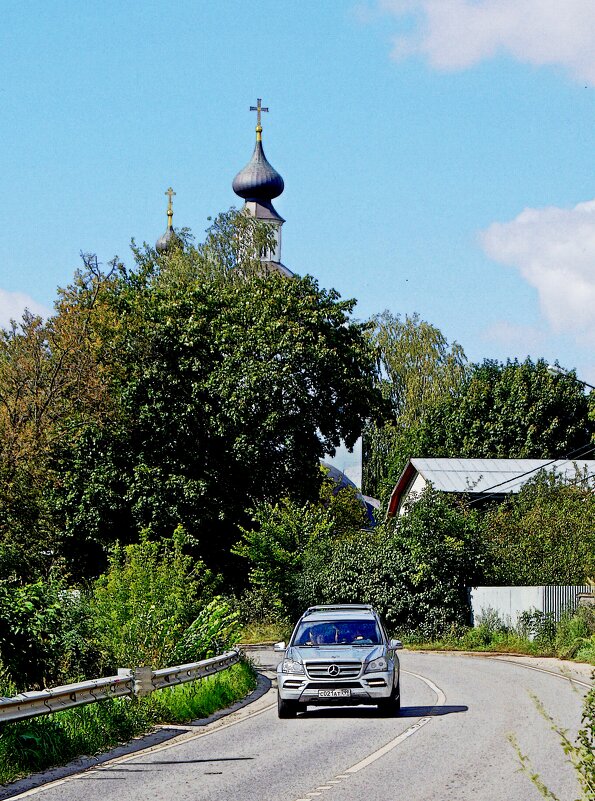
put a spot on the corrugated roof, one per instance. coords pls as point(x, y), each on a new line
point(502, 475)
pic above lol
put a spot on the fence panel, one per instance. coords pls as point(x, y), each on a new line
point(511, 602)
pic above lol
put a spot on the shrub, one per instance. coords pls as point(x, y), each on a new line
point(146, 600)
point(214, 631)
point(45, 633)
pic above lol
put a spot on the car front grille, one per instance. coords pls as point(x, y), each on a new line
point(320, 670)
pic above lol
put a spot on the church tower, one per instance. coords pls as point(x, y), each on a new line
point(258, 184)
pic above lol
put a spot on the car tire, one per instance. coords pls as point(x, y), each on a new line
point(391, 706)
point(286, 709)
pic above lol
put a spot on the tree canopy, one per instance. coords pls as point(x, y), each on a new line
point(183, 391)
point(418, 370)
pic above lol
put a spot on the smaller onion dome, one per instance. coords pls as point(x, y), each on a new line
point(169, 238)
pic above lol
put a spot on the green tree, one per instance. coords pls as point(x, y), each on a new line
point(512, 410)
point(53, 382)
point(418, 370)
point(414, 570)
point(231, 385)
point(545, 534)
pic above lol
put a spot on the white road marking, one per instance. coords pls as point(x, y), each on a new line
point(385, 749)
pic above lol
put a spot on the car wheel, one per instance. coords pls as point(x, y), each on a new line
point(286, 709)
point(391, 706)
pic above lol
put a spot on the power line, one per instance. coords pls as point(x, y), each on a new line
point(578, 453)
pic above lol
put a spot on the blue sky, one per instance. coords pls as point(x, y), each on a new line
point(437, 154)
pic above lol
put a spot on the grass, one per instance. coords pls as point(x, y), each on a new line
point(535, 635)
point(44, 742)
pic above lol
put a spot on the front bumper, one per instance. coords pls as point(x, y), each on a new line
point(369, 688)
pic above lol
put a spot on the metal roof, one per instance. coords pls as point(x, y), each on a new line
point(476, 476)
point(503, 475)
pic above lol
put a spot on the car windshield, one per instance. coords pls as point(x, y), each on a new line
point(338, 632)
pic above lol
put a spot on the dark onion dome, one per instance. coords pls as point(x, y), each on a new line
point(258, 180)
point(166, 242)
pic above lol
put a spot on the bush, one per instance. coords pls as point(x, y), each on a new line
point(149, 596)
point(46, 633)
point(214, 631)
point(575, 632)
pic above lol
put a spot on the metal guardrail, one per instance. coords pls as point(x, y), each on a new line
point(138, 682)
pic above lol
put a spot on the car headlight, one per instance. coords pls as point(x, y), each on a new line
point(291, 666)
point(377, 665)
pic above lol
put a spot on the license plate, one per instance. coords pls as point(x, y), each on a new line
point(343, 693)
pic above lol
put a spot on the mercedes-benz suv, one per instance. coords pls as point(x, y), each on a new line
point(338, 654)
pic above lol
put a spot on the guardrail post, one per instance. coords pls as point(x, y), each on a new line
point(143, 681)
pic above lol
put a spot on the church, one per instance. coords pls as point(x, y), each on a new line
point(258, 184)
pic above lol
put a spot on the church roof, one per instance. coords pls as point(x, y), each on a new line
point(258, 181)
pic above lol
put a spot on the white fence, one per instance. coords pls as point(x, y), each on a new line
point(138, 682)
point(511, 602)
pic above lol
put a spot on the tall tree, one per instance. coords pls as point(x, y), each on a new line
point(52, 383)
point(231, 385)
point(512, 410)
point(418, 369)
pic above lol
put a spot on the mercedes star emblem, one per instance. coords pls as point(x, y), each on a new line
point(334, 670)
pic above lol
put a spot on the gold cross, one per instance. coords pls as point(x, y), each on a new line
point(170, 211)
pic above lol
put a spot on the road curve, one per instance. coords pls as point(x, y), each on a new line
point(450, 742)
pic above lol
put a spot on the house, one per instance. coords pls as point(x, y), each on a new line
point(483, 479)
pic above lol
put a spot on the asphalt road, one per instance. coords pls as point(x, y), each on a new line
point(450, 743)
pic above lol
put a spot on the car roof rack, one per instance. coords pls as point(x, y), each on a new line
point(338, 607)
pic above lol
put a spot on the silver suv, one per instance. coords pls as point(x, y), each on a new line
point(338, 654)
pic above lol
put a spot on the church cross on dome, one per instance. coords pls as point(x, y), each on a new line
point(170, 211)
point(258, 108)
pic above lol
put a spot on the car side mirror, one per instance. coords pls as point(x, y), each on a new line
point(279, 646)
point(396, 644)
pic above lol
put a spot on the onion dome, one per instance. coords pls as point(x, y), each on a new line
point(169, 238)
point(258, 181)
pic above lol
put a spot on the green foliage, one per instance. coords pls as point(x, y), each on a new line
point(45, 633)
point(415, 572)
point(55, 739)
point(575, 635)
point(275, 546)
point(147, 599)
point(536, 633)
point(363, 568)
point(512, 410)
point(216, 629)
point(545, 534)
point(439, 538)
point(344, 506)
point(230, 387)
point(418, 370)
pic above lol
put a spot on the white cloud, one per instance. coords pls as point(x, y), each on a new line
point(554, 250)
point(13, 304)
point(523, 339)
point(456, 34)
